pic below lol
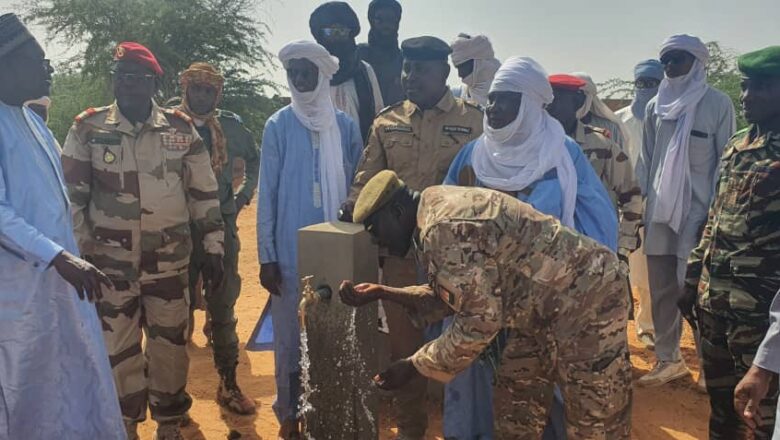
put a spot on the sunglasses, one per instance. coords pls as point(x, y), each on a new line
point(646, 83)
point(336, 32)
point(133, 78)
point(673, 59)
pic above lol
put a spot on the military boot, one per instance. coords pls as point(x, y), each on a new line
point(168, 431)
point(229, 395)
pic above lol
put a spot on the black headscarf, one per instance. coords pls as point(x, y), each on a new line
point(13, 33)
point(376, 5)
point(350, 65)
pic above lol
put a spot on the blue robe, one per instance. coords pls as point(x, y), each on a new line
point(286, 203)
point(468, 398)
point(55, 377)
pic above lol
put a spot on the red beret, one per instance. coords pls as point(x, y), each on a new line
point(566, 82)
point(135, 52)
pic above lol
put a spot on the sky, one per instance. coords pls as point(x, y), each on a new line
point(605, 38)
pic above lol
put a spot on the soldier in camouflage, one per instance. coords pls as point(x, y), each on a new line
point(608, 160)
point(225, 138)
point(494, 262)
point(734, 272)
point(137, 176)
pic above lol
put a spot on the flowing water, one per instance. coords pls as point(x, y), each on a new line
point(305, 407)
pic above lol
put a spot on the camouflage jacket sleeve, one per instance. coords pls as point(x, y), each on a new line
point(628, 197)
point(77, 170)
point(251, 155)
point(372, 162)
point(469, 283)
point(202, 197)
point(428, 308)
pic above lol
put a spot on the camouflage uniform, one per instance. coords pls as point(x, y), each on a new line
point(419, 146)
point(614, 169)
point(736, 268)
point(221, 303)
point(135, 189)
point(497, 263)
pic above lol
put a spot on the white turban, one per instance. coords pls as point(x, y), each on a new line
point(689, 43)
point(466, 48)
point(479, 49)
point(316, 112)
point(516, 156)
point(677, 101)
point(595, 105)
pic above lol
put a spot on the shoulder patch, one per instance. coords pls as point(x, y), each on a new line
point(230, 115)
point(598, 130)
point(389, 107)
point(89, 112)
point(179, 114)
point(473, 105)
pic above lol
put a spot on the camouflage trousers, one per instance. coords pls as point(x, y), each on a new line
point(221, 302)
point(728, 348)
point(582, 349)
point(153, 371)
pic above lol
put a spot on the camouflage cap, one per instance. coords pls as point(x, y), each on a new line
point(377, 192)
point(764, 62)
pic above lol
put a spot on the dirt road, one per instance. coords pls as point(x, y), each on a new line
point(676, 411)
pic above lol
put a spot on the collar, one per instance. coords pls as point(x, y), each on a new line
point(115, 118)
point(445, 104)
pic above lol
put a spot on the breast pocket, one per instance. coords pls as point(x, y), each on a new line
point(107, 166)
point(701, 153)
point(173, 163)
point(400, 153)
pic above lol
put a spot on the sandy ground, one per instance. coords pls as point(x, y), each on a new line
point(676, 411)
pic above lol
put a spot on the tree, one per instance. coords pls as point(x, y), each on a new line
point(178, 32)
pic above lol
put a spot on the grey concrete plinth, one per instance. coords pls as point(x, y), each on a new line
point(342, 341)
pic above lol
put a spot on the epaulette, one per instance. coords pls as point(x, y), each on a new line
point(89, 112)
point(602, 131)
point(230, 115)
point(473, 105)
point(389, 107)
point(179, 114)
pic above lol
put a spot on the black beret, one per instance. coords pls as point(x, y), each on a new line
point(376, 5)
point(425, 49)
point(333, 13)
point(13, 33)
point(764, 62)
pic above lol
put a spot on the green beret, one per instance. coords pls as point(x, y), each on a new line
point(377, 192)
point(764, 62)
point(425, 49)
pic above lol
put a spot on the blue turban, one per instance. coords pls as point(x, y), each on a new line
point(649, 69)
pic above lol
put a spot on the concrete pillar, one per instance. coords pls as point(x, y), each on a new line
point(342, 341)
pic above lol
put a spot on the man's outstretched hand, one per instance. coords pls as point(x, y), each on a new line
point(345, 212)
point(397, 375)
point(360, 295)
point(82, 275)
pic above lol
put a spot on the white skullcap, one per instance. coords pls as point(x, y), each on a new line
point(466, 48)
point(523, 75)
point(688, 43)
point(313, 52)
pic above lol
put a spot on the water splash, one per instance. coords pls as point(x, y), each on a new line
point(305, 407)
point(360, 373)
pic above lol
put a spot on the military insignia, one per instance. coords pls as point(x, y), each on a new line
point(397, 129)
point(175, 141)
point(456, 129)
point(108, 156)
point(448, 293)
